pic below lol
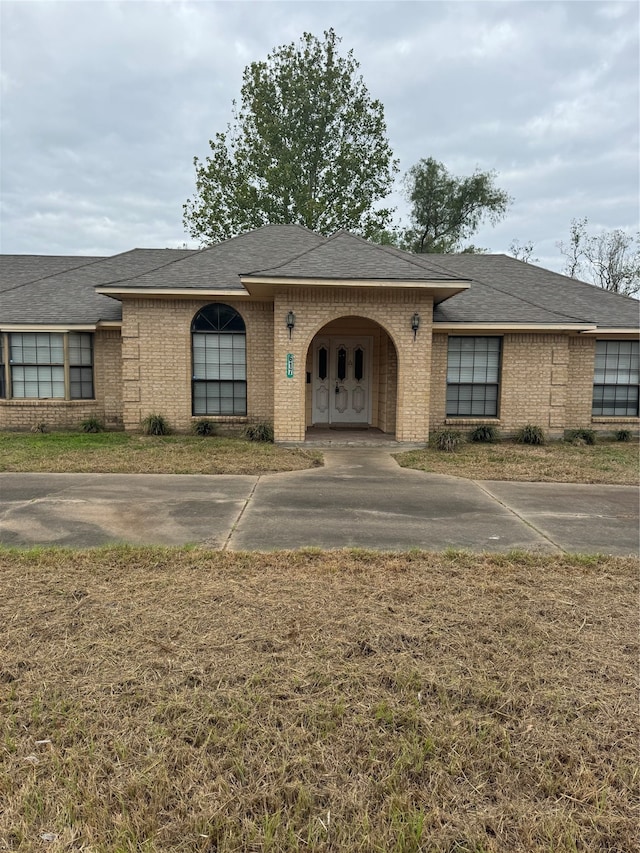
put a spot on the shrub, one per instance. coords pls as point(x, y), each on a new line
point(40, 427)
point(204, 427)
point(485, 433)
point(531, 434)
point(155, 425)
point(446, 439)
point(623, 435)
point(580, 436)
point(261, 431)
point(91, 425)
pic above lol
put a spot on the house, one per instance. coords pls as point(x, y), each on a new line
point(285, 325)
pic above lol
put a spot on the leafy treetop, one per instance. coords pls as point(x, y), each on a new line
point(307, 145)
point(447, 210)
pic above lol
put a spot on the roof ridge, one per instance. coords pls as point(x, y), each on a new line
point(409, 257)
point(524, 299)
point(262, 228)
point(537, 266)
point(94, 260)
point(289, 260)
point(152, 269)
point(343, 232)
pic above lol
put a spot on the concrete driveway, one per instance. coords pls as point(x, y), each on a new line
point(360, 498)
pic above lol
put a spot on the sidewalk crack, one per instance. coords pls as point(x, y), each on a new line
point(234, 526)
point(521, 517)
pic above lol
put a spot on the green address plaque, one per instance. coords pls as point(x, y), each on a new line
point(289, 365)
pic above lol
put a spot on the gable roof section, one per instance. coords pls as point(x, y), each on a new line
point(217, 268)
point(511, 291)
point(345, 258)
point(16, 270)
point(38, 290)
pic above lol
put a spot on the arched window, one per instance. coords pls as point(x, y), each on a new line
point(219, 361)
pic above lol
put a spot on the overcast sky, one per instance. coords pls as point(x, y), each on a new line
point(105, 104)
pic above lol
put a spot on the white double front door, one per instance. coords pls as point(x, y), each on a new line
point(341, 380)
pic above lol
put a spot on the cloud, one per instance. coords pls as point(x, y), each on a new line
point(105, 105)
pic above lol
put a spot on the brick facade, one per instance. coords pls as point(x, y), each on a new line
point(22, 414)
point(546, 380)
point(156, 359)
point(391, 311)
point(145, 368)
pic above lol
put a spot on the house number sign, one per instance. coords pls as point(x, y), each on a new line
point(289, 365)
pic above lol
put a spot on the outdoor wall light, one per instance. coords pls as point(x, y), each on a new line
point(291, 321)
point(415, 324)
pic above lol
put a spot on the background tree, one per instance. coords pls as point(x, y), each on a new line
point(446, 210)
point(522, 251)
point(610, 260)
point(307, 145)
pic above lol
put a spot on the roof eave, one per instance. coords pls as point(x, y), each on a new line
point(50, 327)
point(451, 326)
point(614, 331)
point(169, 292)
point(441, 290)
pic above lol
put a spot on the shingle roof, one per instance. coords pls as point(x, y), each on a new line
point(60, 290)
point(507, 290)
point(219, 267)
point(345, 256)
point(19, 269)
point(39, 289)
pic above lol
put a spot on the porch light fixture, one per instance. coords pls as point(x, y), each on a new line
point(291, 321)
point(415, 324)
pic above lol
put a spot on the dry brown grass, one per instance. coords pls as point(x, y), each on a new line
point(557, 462)
point(187, 700)
point(124, 453)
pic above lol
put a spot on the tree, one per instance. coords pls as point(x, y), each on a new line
point(307, 145)
point(447, 210)
point(522, 251)
point(610, 260)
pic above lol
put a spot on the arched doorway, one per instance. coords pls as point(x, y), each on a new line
point(352, 370)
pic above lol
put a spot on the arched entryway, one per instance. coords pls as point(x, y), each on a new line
point(351, 372)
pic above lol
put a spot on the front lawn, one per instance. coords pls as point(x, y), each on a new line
point(125, 453)
point(557, 462)
point(174, 701)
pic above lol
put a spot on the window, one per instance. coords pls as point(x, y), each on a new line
point(38, 362)
point(615, 381)
point(473, 369)
point(81, 366)
point(219, 362)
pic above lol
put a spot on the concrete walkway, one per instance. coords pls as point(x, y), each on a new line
point(360, 498)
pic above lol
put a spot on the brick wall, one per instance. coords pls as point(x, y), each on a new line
point(108, 375)
point(437, 415)
point(534, 383)
point(156, 359)
point(69, 414)
point(392, 310)
point(534, 380)
point(546, 379)
point(582, 353)
point(387, 381)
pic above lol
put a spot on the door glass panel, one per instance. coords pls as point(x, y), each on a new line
point(358, 369)
point(342, 364)
point(322, 363)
